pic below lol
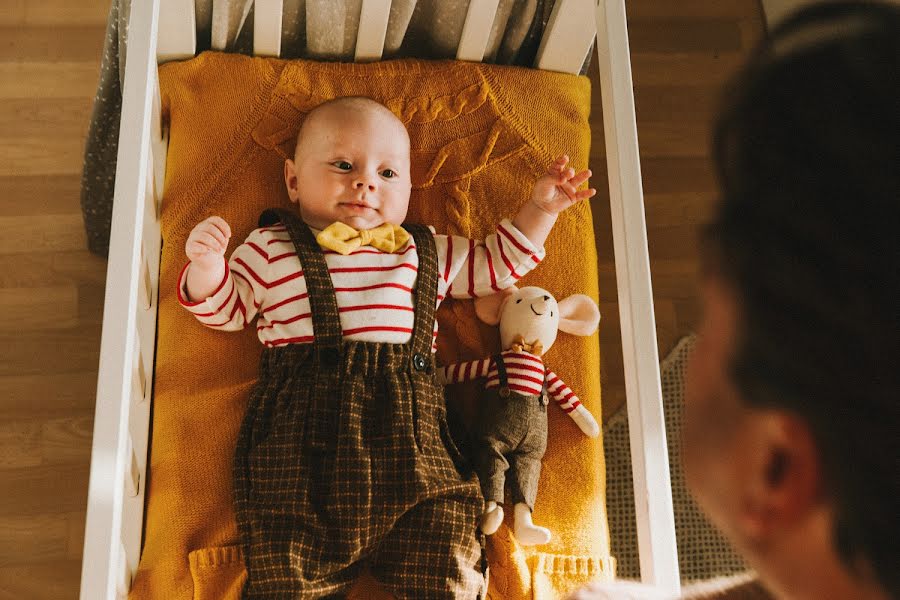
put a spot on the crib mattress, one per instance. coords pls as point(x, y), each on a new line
point(480, 136)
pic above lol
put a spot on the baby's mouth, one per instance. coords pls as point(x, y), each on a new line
point(356, 206)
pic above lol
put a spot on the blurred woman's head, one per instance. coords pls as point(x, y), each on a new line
point(794, 388)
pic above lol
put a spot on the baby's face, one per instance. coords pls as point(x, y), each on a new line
point(351, 166)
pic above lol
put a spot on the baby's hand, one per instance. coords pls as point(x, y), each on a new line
point(205, 246)
point(558, 189)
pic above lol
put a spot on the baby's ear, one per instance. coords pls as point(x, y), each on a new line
point(578, 315)
point(488, 307)
point(291, 181)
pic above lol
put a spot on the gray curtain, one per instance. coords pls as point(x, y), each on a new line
point(319, 29)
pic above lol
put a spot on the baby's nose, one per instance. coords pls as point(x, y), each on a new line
point(365, 181)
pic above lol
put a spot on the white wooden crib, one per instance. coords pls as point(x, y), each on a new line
point(162, 30)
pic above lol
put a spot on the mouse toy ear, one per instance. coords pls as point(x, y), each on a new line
point(488, 307)
point(578, 315)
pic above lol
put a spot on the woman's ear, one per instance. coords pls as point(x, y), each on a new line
point(488, 307)
point(578, 315)
point(782, 480)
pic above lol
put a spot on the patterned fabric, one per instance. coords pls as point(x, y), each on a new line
point(702, 551)
point(265, 278)
point(324, 487)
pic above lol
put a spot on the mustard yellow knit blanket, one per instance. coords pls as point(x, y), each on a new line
point(480, 136)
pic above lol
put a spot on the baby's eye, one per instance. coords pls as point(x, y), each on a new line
point(388, 173)
point(518, 301)
point(343, 165)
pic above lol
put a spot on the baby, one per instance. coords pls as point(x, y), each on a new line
point(344, 459)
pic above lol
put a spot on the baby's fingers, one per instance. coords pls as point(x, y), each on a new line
point(585, 194)
point(574, 194)
point(565, 175)
point(556, 168)
point(220, 225)
point(580, 178)
point(207, 240)
point(194, 249)
point(207, 231)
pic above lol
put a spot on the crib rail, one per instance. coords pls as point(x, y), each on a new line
point(649, 454)
point(162, 30)
point(124, 388)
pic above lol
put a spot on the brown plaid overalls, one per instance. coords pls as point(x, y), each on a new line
point(344, 458)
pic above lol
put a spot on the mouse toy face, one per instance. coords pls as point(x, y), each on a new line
point(532, 313)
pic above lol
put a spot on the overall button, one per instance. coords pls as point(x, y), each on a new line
point(419, 362)
point(330, 356)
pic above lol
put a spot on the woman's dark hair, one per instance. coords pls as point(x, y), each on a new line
point(807, 149)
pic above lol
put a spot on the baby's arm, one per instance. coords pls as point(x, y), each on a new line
point(569, 402)
point(552, 194)
point(223, 295)
point(469, 268)
point(464, 371)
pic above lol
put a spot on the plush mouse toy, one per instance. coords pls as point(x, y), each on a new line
point(511, 430)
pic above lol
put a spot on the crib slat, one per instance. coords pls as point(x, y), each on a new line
point(567, 37)
point(650, 464)
point(177, 30)
point(477, 30)
point(267, 16)
point(373, 23)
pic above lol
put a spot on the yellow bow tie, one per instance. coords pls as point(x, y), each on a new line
point(344, 239)
point(520, 345)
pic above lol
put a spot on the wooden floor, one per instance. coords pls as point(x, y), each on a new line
point(51, 288)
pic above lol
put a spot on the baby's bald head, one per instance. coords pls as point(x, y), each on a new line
point(350, 110)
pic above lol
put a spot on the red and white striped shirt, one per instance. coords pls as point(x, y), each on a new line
point(374, 289)
point(525, 374)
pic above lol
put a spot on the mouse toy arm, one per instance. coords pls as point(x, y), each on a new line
point(566, 399)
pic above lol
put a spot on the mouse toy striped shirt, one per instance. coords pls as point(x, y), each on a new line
point(525, 375)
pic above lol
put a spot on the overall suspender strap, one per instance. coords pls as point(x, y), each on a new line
point(501, 373)
point(322, 301)
point(425, 297)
